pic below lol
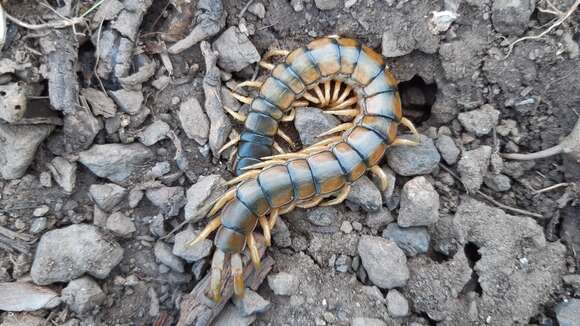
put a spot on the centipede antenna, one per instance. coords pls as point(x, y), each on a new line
point(346, 113)
point(241, 98)
point(238, 274)
point(253, 249)
point(407, 123)
point(240, 178)
point(382, 176)
point(249, 83)
point(217, 268)
point(236, 115)
point(286, 138)
point(278, 148)
point(285, 156)
point(222, 201)
point(345, 104)
point(320, 95)
point(327, 91)
point(340, 197)
point(404, 142)
point(229, 144)
point(311, 98)
point(339, 128)
point(209, 228)
point(336, 92)
point(266, 230)
point(263, 164)
point(300, 104)
point(273, 217)
point(311, 203)
point(290, 116)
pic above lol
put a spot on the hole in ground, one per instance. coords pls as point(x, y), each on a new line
point(472, 253)
point(417, 98)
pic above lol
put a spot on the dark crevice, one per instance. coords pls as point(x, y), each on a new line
point(417, 98)
point(472, 253)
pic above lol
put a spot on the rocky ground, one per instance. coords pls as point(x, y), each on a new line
point(108, 141)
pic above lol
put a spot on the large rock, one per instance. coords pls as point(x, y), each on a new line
point(83, 295)
point(194, 121)
point(311, 122)
point(472, 167)
point(419, 203)
point(116, 162)
point(68, 253)
point(385, 263)
point(414, 160)
point(18, 145)
point(235, 50)
point(511, 17)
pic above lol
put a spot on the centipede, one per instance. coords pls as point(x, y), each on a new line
point(346, 78)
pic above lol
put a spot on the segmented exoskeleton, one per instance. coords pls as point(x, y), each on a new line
point(270, 188)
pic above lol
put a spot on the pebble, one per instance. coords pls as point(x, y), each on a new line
point(281, 234)
point(364, 321)
point(349, 3)
point(498, 182)
point(365, 194)
point(67, 253)
point(379, 219)
point(413, 240)
point(419, 203)
point(573, 280)
point(101, 104)
point(343, 263)
point(397, 305)
point(322, 216)
point(231, 316)
point(45, 179)
point(18, 147)
point(38, 225)
point(511, 17)
point(326, 4)
point(384, 262)
point(311, 122)
point(25, 296)
point(236, 52)
point(135, 197)
point(252, 303)
point(568, 313)
point(473, 166)
point(191, 253)
point(205, 190)
point(258, 9)
point(194, 121)
point(297, 5)
point(346, 227)
point(449, 151)
point(169, 200)
point(128, 101)
point(41, 211)
point(107, 196)
point(64, 173)
point(163, 254)
point(120, 224)
point(154, 132)
point(116, 162)
point(414, 160)
point(83, 295)
point(479, 122)
point(13, 101)
point(283, 283)
point(357, 226)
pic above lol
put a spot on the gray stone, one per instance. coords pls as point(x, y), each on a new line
point(116, 162)
point(311, 122)
point(448, 149)
point(128, 101)
point(83, 295)
point(17, 147)
point(343, 263)
point(444, 236)
point(346, 227)
point(163, 254)
point(38, 225)
point(498, 182)
point(472, 167)
point(205, 190)
point(412, 241)
point(364, 321)
point(281, 234)
point(191, 253)
point(511, 17)
point(365, 194)
point(41, 211)
point(322, 216)
point(107, 196)
point(12, 102)
point(169, 200)
point(235, 50)
point(414, 160)
point(120, 224)
point(397, 305)
point(67, 253)
point(419, 203)
point(384, 262)
point(479, 122)
point(568, 312)
point(283, 283)
point(194, 121)
point(391, 182)
point(231, 316)
point(159, 169)
point(252, 303)
point(79, 131)
point(379, 219)
point(45, 179)
point(297, 5)
point(154, 132)
point(135, 197)
point(64, 173)
point(573, 280)
point(101, 104)
point(25, 296)
point(258, 9)
point(326, 4)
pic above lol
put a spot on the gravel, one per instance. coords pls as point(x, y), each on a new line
point(169, 200)
point(283, 283)
point(384, 262)
point(397, 305)
point(311, 122)
point(121, 225)
point(18, 146)
point(194, 121)
point(511, 17)
point(498, 182)
point(364, 321)
point(67, 253)
point(379, 219)
point(83, 295)
point(205, 190)
point(472, 167)
point(64, 173)
point(419, 203)
point(164, 255)
point(154, 132)
point(413, 240)
point(448, 149)
point(252, 303)
point(365, 194)
point(568, 312)
point(326, 4)
point(479, 122)
point(322, 216)
point(235, 50)
point(414, 160)
point(128, 101)
point(191, 253)
point(107, 196)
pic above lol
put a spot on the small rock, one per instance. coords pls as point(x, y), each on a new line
point(38, 225)
point(163, 254)
point(107, 196)
point(357, 226)
point(231, 316)
point(283, 283)
point(342, 263)
point(154, 132)
point(252, 303)
point(135, 197)
point(120, 224)
point(297, 5)
point(169, 200)
point(499, 182)
point(41, 211)
point(12, 101)
point(568, 313)
point(379, 219)
point(83, 295)
point(45, 179)
point(64, 173)
point(363, 321)
point(159, 169)
point(412, 241)
point(258, 9)
point(414, 160)
point(161, 82)
point(397, 305)
point(18, 146)
point(191, 253)
point(440, 21)
point(205, 190)
point(101, 104)
point(385, 263)
point(573, 280)
point(311, 122)
point(419, 203)
point(473, 166)
point(448, 149)
point(481, 121)
point(235, 50)
point(511, 17)
point(116, 162)
point(349, 3)
point(281, 234)
point(346, 227)
point(322, 216)
point(67, 253)
point(326, 4)
point(128, 101)
point(24, 296)
point(365, 194)
point(194, 121)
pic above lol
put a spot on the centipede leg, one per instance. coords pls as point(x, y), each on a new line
point(241, 98)
point(339, 128)
point(217, 268)
point(404, 142)
point(238, 274)
point(286, 209)
point(290, 116)
point(346, 113)
point(320, 95)
point(229, 144)
point(344, 94)
point(238, 116)
point(253, 249)
point(327, 92)
point(286, 138)
point(212, 226)
point(250, 83)
point(222, 201)
point(382, 176)
point(278, 148)
point(263, 164)
point(311, 203)
point(339, 198)
point(240, 178)
point(266, 65)
point(285, 156)
point(347, 103)
point(274, 52)
point(273, 217)
point(311, 98)
point(326, 142)
point(297, 104)
point(407, 123)
point(266, 230)
point(336, 92)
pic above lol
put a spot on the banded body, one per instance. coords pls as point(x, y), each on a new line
point(304, 179)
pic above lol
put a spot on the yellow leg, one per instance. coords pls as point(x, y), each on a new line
point(314, 149)
point(311, 98)
point(240, 178)
point(327, 92)
point(339, 128)
point(229, 144)
point(212, 226)
point(345, 104)
point(327, 141)
point(217, 268)
point(404, 142)
point(275, 52)
point(241, 98)
point(336, 92)
point(285, 156)
point(286, 209)
point(346, 113)
point(382, 176)
point(278, 148)
point(300, 104)
point(311, 203)
point(263, 164)
point(286, 138)
point(235, 115)
point(266, 65)
point(266, 230)
point(222, 201)
point(344, 94)
point(274, 214)
point(238, 274)
point(249, 83)
point(253, 249)
point(407, 123)
point(290, 116)
point(320, 95)
point(339, 198)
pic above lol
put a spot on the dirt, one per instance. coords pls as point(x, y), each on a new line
point(459, 70)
